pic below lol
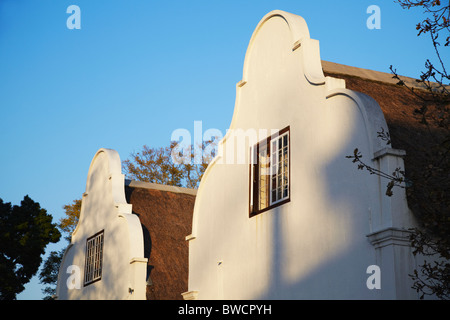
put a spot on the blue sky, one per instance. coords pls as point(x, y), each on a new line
point(139, 69)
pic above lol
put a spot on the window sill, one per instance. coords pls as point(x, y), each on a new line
point(273, 206)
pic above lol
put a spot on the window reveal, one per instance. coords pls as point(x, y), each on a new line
point(270, 173)
point(280, 169)
point(94, 258)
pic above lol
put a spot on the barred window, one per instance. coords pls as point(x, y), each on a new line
point(270, 173)
point(94, 258)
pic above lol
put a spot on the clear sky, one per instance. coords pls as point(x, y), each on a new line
point(139, 69)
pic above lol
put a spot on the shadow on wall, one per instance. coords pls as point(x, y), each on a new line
point(332, 273)
point(342, 273)
point(147, 243)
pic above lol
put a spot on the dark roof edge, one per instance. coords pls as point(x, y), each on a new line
point(162, 187)
point(336, 68)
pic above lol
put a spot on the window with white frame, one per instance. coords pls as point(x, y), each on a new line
point(270, 173)
point(94, 258)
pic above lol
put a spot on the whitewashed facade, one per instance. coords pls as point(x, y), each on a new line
point(301, 222)
point(105, 259)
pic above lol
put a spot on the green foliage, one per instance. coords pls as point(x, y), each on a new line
point(25, 231)
point(49, 273)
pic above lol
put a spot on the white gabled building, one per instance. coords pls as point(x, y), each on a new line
point(280, 213)
point(129, 243)
point(299, 222)
point(105, 258)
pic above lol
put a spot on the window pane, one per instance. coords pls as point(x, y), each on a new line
point(271, 183)
point(94, 257)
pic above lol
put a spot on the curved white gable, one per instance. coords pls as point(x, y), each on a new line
point(298, 36)
point(316, 245)
point(104, 208)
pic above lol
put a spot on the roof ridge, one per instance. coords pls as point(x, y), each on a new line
point(333, 67)
point(157, 186)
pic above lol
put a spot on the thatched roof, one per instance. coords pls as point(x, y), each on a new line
point(166, 215)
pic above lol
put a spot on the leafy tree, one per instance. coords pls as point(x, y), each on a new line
point(154, 165)
point(49, 272)
point(25, 231)
point(70, 221)
point(170, 165)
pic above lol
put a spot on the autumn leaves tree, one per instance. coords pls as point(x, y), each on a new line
point(171, 165)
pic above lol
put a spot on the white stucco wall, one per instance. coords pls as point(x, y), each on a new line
point(317, 246)
point(104, 208)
